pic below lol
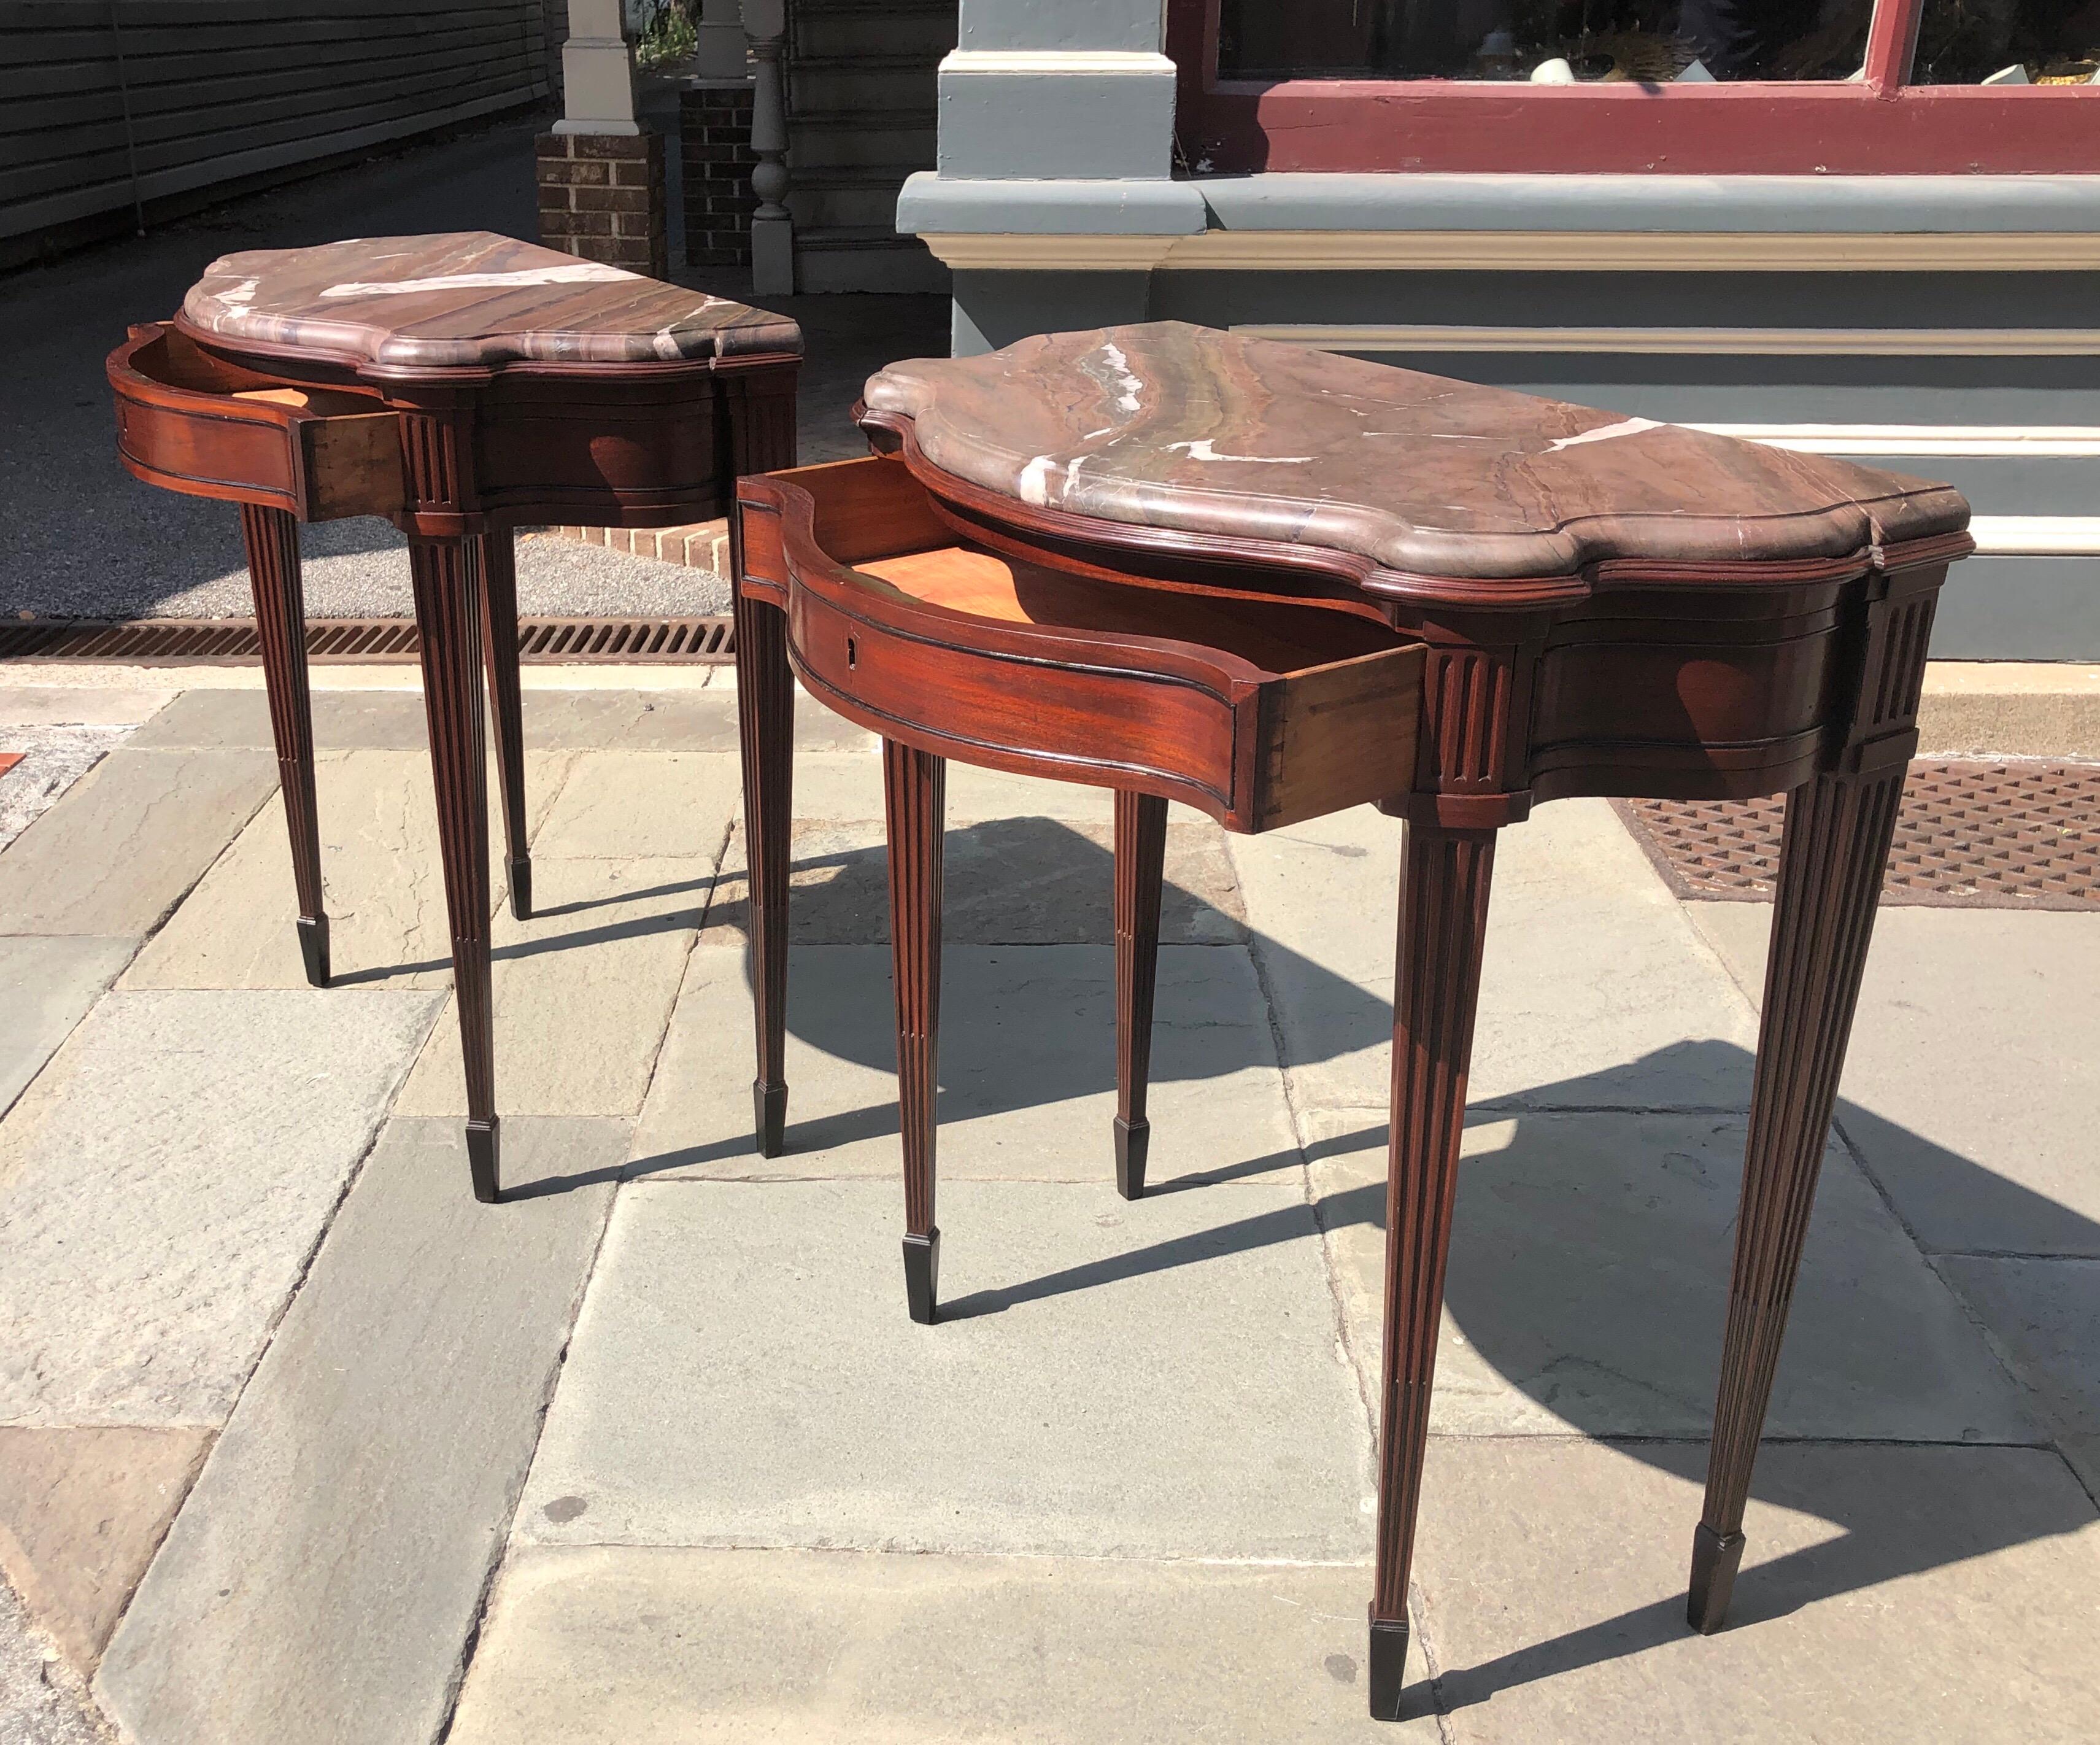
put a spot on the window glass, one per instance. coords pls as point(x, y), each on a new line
point(1652, 42)
point(2008, 42)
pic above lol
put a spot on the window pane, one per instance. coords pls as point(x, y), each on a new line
point(2008, 42)
point(1651, 41)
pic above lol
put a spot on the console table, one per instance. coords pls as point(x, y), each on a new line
point(1270, 582)
point(460, 386)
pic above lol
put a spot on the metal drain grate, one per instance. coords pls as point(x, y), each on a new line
point(1972, 835)
point(158, 642)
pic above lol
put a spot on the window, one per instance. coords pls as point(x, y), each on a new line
point(1688, 86)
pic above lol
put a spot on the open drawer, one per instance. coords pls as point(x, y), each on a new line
point(1258, 712)
point(192, 422)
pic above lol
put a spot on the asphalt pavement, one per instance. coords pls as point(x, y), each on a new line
point(81, 538)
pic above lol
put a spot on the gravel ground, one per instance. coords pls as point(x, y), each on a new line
point(79, 537)
point(42, 1702)
point(53, 759)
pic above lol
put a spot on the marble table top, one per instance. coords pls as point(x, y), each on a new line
point(467, 300)
point(1169, 426)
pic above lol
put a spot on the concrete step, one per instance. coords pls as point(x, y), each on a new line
point(865, 259)
point(877, 30)
point(836, 139)
point(873, 84)
point(854, 199)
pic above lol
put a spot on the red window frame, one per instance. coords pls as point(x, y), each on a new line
point(1879, 125)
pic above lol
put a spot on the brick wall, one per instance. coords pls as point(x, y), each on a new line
point(601, 196)
point(716, 122)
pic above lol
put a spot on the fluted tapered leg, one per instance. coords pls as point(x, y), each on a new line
point(272, 539)
point(1443, 921)
point(1140, 853)
point(765, 719)
point(914, 791)
point(448, 614)
point(499, 623)
point(1831, 862)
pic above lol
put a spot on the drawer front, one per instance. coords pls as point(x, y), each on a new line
point(1154, 713)
point(198, 429)
point(209, 448)
point(1043, 713)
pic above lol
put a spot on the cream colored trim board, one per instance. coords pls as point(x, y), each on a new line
point(2036, 536)
point(1944, 441)
point(968, 252)
point(1033, 61)
point(1766, 341)
point(1518, 251)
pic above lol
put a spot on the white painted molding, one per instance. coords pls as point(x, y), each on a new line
point(1723, 342)
point(1095, 61)
point(2036, 536)
point(1523, 251)
point(1944, 441)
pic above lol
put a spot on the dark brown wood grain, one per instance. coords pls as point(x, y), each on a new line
point(1110, 542)
point(1444, 879)
point(765, 716)
point(461, 386)
point(1140, 850)
point(496, 560)
point(444, 576)
point(272, 536)
point(1090, 692)
point(914, 785)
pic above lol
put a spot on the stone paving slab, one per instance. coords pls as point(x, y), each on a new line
point(2045, 1315)
point(1021, 880)
point(343, 721)
point(1887, 1594)
point(165, 1180)
point(127, 840)
point(75, 706)
point(617, 720)
point(1588, 1289)
point(382, 879)
point(1972, 1076)
point(1157, 1379)
point(46, 986)
point(50, 760)
point(606, 720)
point(41, 1702)
point(1027, 1070)
point(653, 1647)
point(82, 1512)
point(324, 1580)
point(636, 805)
point(848, 789)
point(583, 991)
point(1590, 965)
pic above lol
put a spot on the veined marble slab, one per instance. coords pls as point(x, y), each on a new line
point(469, 300)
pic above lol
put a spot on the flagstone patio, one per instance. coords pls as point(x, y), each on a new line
point(299, 1443)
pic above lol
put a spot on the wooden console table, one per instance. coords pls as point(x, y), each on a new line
point(460, 386)
point(1271, 582)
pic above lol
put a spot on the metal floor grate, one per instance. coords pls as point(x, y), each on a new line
point(156, 642)
point(1973, 835)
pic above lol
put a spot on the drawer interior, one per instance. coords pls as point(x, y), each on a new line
point(1273, 635)
point(173, 362)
